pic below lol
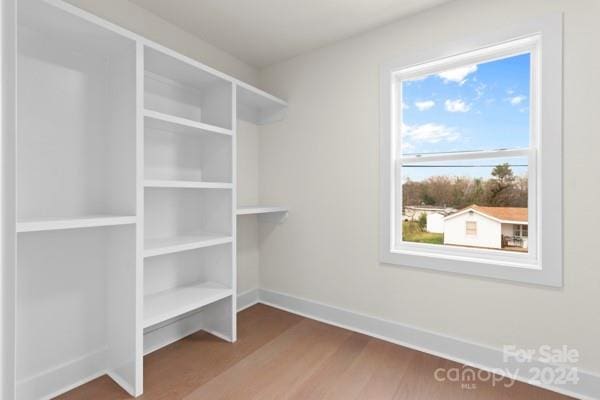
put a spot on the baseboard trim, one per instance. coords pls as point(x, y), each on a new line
point(247, 299)
point(56, 381)
point(467, 353)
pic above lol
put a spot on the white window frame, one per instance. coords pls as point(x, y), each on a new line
point(543, 262)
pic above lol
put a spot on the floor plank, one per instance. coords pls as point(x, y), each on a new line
point(280, 355)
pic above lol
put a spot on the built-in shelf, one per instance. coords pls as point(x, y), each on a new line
point(249, 210)
point(157, 247)
point(163, 306)
point(257, 106)
point(186, 184)
point(86, 221)
point(171, 123)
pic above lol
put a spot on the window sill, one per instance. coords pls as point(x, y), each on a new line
point(525, 271)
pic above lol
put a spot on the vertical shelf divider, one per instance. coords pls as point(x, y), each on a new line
point(139, 257)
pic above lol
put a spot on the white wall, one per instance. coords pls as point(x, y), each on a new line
point(488, 231)
point(323, 162)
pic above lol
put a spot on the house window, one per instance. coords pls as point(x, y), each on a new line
point(462, 138)
point(520, 230)
point(471, 227)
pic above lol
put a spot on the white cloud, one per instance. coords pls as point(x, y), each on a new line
point(430, 133)
point(480, 90)
point(424, 105)
point(516, 100)
point(457, 75)
point(456, 106)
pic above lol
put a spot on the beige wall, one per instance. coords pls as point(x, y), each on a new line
point(136, 19)
point(323, 162)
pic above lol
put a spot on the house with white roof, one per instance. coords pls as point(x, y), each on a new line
point(488, 227)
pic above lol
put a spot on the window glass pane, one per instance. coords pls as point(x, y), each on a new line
point(471, 203)
point(473, 107)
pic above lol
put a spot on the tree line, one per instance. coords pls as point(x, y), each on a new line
point(503, 189)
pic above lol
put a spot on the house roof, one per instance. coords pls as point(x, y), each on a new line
point(503, 214)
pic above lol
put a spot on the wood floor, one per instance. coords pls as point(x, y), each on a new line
point(280, 355)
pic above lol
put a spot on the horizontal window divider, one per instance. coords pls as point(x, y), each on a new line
point(467, 155)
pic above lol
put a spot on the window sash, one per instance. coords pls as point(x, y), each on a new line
point(509, 49)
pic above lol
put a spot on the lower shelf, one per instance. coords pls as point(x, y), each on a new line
point(162, 306)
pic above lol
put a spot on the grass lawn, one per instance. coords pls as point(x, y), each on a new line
point(411, 232)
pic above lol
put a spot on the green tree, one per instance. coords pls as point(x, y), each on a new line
point(501, 185)
point(422, 221)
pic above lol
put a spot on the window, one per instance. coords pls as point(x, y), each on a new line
point(520, 230)
point(468, 138)
point(471, 228)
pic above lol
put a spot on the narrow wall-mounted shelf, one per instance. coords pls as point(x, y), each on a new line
point(86, 221)
point(251, 210)
point(157, 247)
point(186, 184)
point(172, 123)
point(257, 106)
point(162, 306)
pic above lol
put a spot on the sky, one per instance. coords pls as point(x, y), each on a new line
point(475, 107)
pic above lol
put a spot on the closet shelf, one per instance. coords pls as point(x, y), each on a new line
point(157, 247)
point(86, 221)
point(249, 210)
point(162, 306)
point(186, 184)
point(172, 123)
point(257, 106)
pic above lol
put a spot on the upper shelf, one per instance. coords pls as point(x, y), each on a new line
point(257, 106)
point(87, 221)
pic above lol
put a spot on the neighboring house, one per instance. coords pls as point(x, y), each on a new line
point(435, 222)
point(412, 213)
point(491, 227)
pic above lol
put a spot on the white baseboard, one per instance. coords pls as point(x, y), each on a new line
point(467, 353)
point(247, 299)
point(58, 380)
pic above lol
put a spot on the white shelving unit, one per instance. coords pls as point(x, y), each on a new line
point(124, 226)
point(188, 149)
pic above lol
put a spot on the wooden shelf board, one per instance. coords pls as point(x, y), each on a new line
point(85, 221)
point(172, 123)
point(248, 210)
point(155, 183)
point(162, 306)
point(157, 247)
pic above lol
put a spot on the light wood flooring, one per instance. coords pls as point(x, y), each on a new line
point(280, 355)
